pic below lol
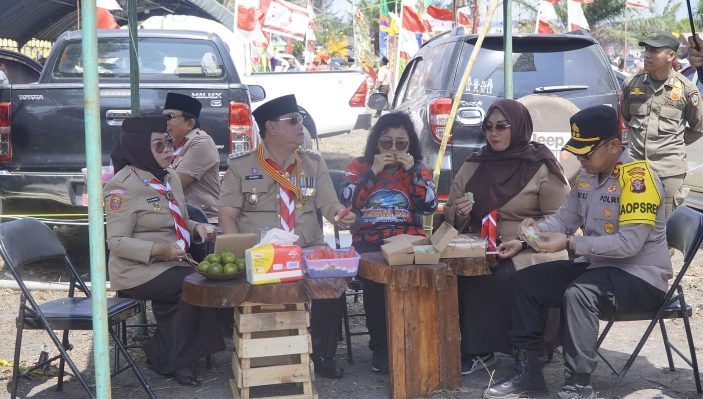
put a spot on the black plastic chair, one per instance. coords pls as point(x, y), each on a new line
point(684, 231)
point(70, 313)
point(355, 287)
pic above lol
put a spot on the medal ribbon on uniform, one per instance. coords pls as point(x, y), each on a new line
point(182, 234)
point(288, 192)
point(489, 230)
point(178, 149)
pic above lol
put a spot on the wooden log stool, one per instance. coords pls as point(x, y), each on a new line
point(272, 347)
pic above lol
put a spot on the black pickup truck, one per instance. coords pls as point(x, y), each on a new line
point(42, 140)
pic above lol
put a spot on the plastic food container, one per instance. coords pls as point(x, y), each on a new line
point(106, 173)
point(324, 268)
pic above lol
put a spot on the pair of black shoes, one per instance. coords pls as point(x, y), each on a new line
point(379, 362)
point(327, 367)
point(184, 376)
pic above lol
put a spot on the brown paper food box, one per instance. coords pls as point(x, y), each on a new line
point(237, 243)
point(402, 250)
point(415, 240)
point(465, 246)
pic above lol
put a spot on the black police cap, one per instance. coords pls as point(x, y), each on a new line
point(590, 127)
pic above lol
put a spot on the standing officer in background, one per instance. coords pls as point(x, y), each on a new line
point(195, 157)
point(663, 113)
point(279, 185)
point(383, 80)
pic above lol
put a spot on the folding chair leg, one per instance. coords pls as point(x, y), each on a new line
point(65, 344)
point(67, 359)
point(667, 345)
point(692, 349)
point(137, 372)
point(18, 347)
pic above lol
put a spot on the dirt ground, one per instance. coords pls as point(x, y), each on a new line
point(649, 378)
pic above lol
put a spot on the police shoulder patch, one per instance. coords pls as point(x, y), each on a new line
point(640, 197)
point(694, 98)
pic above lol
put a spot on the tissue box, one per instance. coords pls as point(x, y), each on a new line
point(404, 249)
point(273, 263)
point(465, 246)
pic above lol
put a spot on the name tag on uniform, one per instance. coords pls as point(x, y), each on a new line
point(152, 200)
point(253, 177)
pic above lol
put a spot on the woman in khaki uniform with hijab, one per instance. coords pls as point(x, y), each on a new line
point(519, 179)
point(148, 233)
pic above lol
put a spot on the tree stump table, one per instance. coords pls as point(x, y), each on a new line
point(271, 339)
point(422, 315)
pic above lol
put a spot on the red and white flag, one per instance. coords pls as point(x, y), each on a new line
point(489, 230)
point(437, 20)
point(286, 19)
point(547, 19)
point(638, 4)
point(463, 17)
point(576, 17)
point(411, 28)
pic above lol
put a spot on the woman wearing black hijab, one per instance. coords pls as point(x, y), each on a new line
point(148, 233)
point(511, 178)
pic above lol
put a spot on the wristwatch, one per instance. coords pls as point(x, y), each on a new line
point(524, 244)
point(569, 242)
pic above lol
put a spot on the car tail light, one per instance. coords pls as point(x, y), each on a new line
point(438, 116)
point(442, 201)
point(5, 129)
point(241, 132)
point(359, 97)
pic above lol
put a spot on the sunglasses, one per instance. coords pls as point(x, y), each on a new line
point(169, 116)
point(160, 146)
point(388, 143)
point(294, 120)
point(500, 126)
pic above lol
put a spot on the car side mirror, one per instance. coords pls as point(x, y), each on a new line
point(257, 93)
point(378, 101)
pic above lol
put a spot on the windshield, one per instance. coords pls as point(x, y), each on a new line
point(159, 58)
point(569, 72)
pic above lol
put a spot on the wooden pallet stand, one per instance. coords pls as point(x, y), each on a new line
point(272, 352)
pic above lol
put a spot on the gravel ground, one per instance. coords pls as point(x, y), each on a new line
point(649, 378)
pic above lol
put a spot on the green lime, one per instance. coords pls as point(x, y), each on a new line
point(214, 258)
point(228, 257)
point(215, 268)
point(203, 266)
point(229, 268)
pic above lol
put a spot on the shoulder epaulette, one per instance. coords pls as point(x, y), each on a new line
point(309, 152)
point(237, 155)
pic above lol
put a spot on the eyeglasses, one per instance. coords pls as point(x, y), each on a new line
point(160, 145)
point(170, 116)
point(387, 144)
point(498, 127)
point(589, 154)
point(294, 120)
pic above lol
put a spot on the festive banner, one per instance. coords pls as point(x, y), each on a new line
point(410, 35)
point(437, 20)
point(463, 17)
point(286, 19)
point(576, 17)
point(547, 19)
point(384, 28)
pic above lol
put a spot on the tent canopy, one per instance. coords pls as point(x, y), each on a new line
point(47, 19)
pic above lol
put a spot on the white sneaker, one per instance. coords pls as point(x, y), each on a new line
point(471, 364)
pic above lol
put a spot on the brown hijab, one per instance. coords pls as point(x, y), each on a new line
point(503, 174)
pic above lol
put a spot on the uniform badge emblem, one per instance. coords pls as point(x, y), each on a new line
point(170, 196)
point(637, 175)
point(609, 227)
point(252, 199)
point(157, 206)
point(616, 169)
point(675, 94)
point(694, 98)
point(611, 188)
point(636, 92)
point(607, 212)
point(254, 171)
point(584, 184)
point(115, 202)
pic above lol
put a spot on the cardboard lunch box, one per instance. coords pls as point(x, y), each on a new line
point(265, 264)
point(404, 249)
point(461, 246)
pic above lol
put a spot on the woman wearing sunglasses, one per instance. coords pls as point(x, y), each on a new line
point(389, 190)
point(517, 178)
point(148, 234)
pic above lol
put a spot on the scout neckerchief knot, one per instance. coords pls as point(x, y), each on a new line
point(288, 191)
point(178, 149)
point(489, 230)
point(182, 233)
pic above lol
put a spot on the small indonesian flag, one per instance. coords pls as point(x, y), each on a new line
point(489, 230)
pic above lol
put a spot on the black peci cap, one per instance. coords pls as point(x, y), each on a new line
point(183, 103)
point(661, 39)
point(590, 127)
point(273, 109)
point(145, 124)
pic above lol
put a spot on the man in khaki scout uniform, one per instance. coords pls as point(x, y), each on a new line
point(281, 186)
point(663, 112)
point(195, 157)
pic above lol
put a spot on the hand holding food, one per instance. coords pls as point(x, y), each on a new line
point(405, 160)
point(382, 160)
point(464, 204)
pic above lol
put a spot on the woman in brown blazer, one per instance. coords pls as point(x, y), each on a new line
point(511, 178)
point(148, 233)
